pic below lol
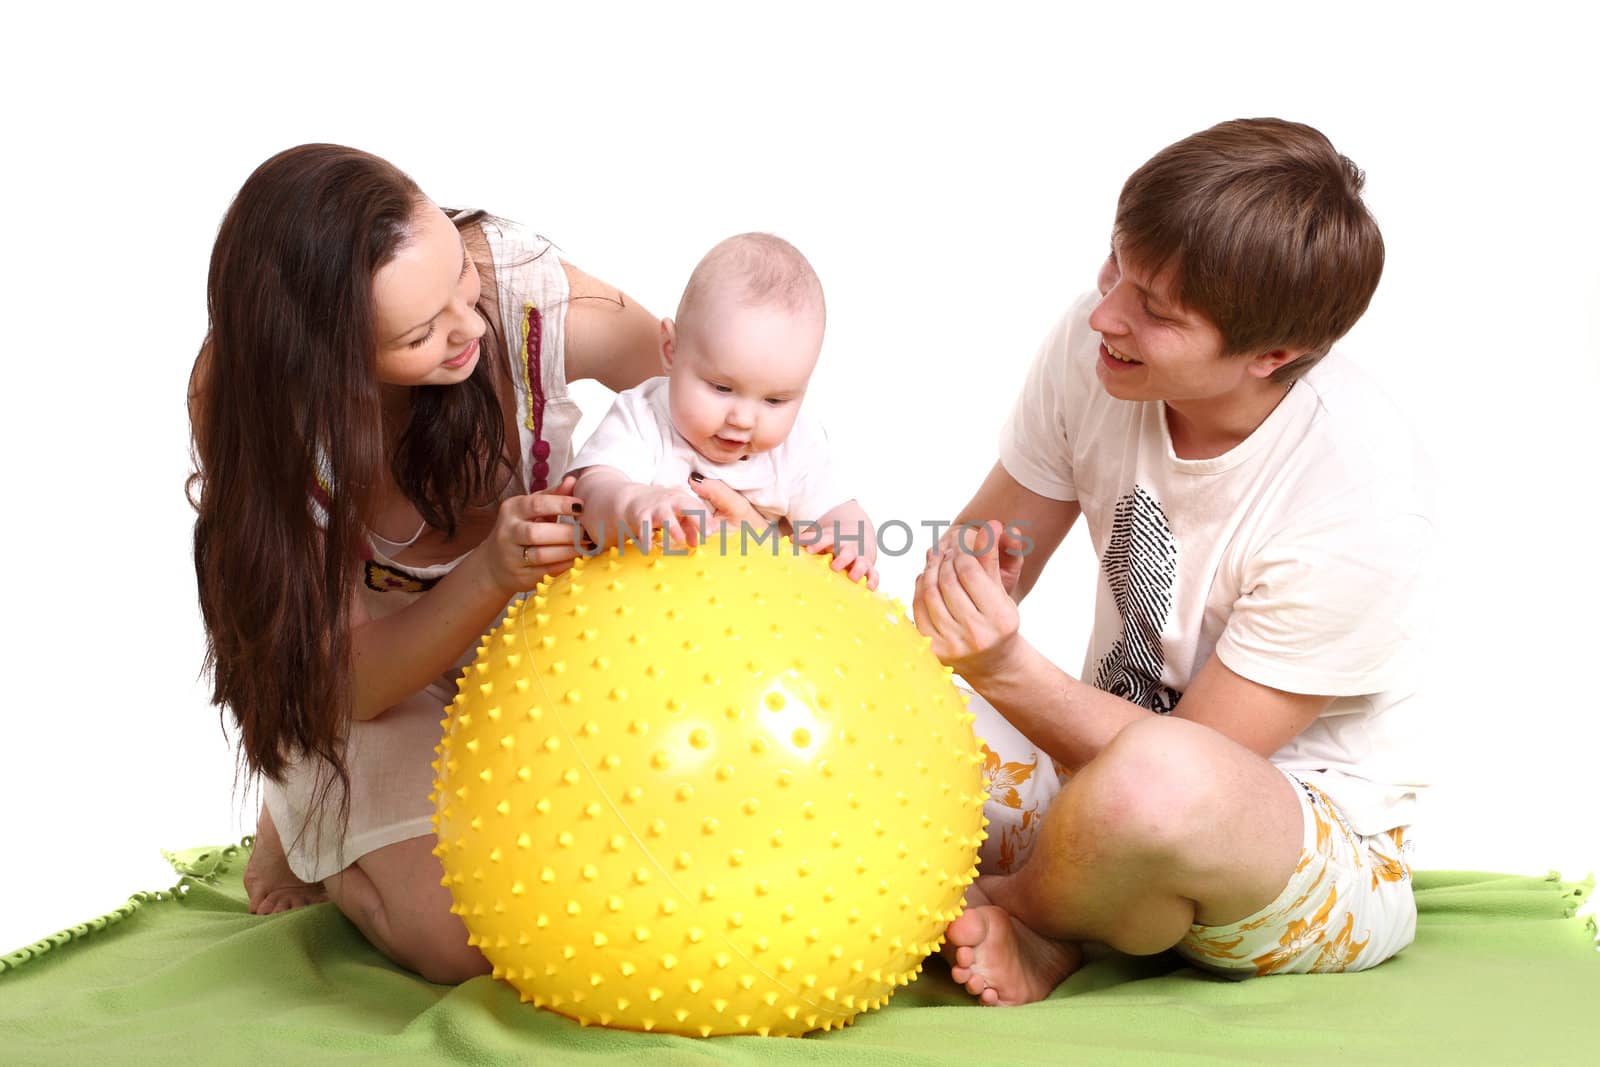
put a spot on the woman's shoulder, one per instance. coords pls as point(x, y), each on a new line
point(514, 246)
point(602, 333)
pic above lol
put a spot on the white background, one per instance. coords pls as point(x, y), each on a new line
point(950, 170)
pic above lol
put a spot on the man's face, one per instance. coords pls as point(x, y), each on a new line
point(1151, 347)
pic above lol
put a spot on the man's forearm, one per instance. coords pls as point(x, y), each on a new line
point(1069, 719)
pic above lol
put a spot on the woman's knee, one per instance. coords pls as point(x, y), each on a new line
point(445, 961)
point(393, 895)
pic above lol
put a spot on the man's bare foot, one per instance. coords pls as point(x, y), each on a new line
point(268, 881)
point(1000, 960)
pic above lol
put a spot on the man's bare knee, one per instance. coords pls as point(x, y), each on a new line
point(1202, 817)
point(1140, 798)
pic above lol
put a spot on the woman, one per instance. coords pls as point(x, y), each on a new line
point(380, 416)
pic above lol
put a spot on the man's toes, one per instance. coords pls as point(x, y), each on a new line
point(966, 929)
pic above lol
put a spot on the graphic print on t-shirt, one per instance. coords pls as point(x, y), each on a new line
point(1141, 562)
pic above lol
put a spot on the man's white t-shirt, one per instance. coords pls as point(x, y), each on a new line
point(794, 481)
point(1297, 557)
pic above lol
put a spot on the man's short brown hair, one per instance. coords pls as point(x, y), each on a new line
point(1262, 223)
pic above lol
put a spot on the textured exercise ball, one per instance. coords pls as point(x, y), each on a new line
point(707, 794)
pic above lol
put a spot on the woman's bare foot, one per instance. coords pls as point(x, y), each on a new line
point(268, 881)
point(1001, 961)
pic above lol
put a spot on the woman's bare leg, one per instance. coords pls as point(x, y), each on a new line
point(394, 898)
point(268, 882)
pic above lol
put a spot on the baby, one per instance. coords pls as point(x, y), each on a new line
point(737, 361)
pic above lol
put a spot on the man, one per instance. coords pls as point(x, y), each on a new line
point(1230, 777)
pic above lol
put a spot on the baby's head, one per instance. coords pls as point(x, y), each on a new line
point(741, 352)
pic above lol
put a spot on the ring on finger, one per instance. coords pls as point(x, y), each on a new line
point(526, 562)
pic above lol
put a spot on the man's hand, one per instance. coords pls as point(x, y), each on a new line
point(1034, 526)
point(970, 537)
point(962, 603)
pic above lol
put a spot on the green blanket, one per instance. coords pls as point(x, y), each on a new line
point(1501, 972)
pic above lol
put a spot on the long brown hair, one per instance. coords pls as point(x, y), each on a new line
point(288, 440)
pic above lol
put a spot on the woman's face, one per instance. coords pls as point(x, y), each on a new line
point(425, 303)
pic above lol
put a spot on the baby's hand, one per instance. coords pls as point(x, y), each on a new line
point(854, 563)
point(846, 532)
point(652, 507)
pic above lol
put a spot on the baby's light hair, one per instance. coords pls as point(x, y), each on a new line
point(754, 269)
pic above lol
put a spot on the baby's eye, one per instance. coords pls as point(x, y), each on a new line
point(777, 401)
point(419, 342)
point(722, 388)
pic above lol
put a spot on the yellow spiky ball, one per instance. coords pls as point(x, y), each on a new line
point(707, 794)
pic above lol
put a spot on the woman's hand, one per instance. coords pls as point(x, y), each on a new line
point(729, 507)
point(528, 543)
point(961, 602)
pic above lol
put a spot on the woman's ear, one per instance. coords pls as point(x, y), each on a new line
point(669, 344)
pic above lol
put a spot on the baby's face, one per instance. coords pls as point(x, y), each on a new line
point(738, 376)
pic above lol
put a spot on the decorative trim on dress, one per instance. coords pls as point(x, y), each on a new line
point(533, 382)
point(388, 578)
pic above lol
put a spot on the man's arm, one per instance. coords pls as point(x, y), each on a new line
point(962, 605)
point(1073, 721)
point(1259, 717)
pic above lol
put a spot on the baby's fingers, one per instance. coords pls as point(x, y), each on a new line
point(823, 543)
